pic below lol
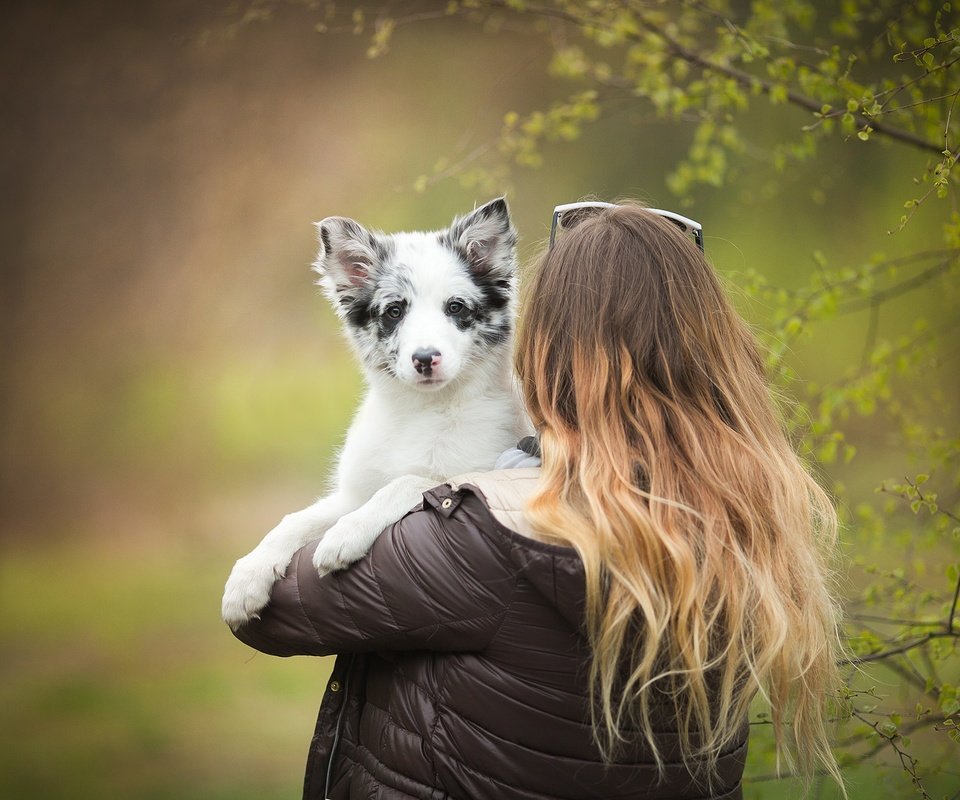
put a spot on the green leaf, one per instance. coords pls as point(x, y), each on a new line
point(950, 706)
point(778, 93)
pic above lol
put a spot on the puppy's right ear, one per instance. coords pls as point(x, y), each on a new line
point(347, 256)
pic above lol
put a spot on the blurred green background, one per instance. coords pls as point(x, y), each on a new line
point(173, 383)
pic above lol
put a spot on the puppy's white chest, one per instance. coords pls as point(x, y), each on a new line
point(390, 438)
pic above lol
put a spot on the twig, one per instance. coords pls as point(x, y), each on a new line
point(904, 729)
point(953, 607)
point(908, 762)
point(870, 341)
point(897, 89)
point(918, 103)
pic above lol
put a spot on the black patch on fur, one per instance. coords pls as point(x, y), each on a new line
point(386, 325)
point(464, 322)
point(495, 288)
point(382, 248)
point(496, 291)
point(496, 334)
point(359, 310)
point(325, 240)
point(465, 317)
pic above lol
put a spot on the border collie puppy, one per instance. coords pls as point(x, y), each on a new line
point(430, 317)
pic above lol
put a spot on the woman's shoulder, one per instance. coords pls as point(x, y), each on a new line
point(505, 492)
point(495, 503)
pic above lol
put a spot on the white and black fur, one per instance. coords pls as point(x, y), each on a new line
point(430, 317)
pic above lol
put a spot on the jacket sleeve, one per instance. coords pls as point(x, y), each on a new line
point(435, 580)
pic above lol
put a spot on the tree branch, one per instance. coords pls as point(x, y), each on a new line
point(879, 656)
point(913, 623)
point(859, 304)
point(742, 78)
point(747, 81)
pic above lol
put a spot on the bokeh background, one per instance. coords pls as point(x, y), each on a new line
point(173, 383)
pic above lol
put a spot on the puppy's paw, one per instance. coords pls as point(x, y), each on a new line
point(248, 589)
point(339, 548)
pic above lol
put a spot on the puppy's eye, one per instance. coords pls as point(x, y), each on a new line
point(455, 308)
point(393, 311)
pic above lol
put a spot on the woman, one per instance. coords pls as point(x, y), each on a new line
point(597, 626)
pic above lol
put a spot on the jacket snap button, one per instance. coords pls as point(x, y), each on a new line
point(447, 502)
point(334, 686)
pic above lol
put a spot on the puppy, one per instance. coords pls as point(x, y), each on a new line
point(430, 317)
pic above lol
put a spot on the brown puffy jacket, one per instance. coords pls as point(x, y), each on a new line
point(461, 671)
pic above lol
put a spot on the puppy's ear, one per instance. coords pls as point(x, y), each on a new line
point(348, 254)
point(486, 238)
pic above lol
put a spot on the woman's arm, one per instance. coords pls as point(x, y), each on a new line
point(435, 580)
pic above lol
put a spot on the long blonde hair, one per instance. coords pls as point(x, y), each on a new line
point(705, 541)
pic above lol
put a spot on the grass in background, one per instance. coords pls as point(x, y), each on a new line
point(120, 680)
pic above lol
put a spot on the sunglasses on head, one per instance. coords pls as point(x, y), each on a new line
point(569, 215)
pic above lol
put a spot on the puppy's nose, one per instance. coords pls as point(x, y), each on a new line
point(425, 360)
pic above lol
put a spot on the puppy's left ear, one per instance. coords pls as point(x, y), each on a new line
point(486, 238)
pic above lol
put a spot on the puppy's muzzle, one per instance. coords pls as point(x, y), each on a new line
point(425, 360)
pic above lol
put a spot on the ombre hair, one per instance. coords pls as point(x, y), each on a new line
point(704, 540)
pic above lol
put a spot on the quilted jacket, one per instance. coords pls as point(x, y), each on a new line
point(461, 663)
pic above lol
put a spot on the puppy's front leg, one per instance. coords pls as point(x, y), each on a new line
point(355, 533)
point(249, 585)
